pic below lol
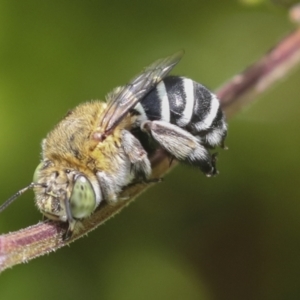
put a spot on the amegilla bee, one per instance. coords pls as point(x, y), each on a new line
point(99, 148)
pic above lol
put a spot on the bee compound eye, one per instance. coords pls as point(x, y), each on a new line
point(83, 199)
point(37, 171)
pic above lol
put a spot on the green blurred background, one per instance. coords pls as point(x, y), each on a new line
point(235, 236)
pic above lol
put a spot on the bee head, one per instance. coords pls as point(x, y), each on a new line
point(62, 194)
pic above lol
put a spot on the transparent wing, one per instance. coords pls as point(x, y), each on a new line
point(124, 98)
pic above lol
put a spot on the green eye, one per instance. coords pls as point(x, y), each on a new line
point(83, 199)
point(37, 171)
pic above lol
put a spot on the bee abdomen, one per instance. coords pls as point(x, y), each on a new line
point(187, 104)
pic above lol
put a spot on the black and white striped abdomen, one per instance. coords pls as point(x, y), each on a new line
point(187, 104)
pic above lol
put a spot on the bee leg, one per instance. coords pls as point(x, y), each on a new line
point(171, 160)
point(223, 146)
point(72, 222)
point(109, 187)
point(147, 181)
point(154, 180)
point(68, 234)
point(181, 144)
point(137, 183)
point(138, 157)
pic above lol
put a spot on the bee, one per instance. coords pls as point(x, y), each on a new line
point(99, 148)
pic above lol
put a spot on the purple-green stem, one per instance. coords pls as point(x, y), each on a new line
point(44, 237)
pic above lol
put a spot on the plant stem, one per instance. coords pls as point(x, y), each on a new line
point(44, 237)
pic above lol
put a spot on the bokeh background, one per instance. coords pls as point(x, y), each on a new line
point(236, 236)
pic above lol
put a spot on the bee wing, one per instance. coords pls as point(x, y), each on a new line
point(124, 98)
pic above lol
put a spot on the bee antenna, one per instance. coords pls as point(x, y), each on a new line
point(18, 194)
